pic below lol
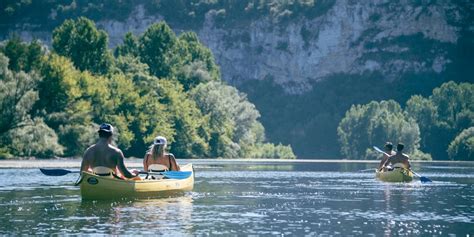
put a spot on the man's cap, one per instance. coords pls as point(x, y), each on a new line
point(388, 145)
point(106, 128)
point(159, 140)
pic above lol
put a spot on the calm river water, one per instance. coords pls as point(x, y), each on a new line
point(256, 198)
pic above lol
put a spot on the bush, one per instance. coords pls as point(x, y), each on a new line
point(373, 123)
point(36, 140)
point(462, 147)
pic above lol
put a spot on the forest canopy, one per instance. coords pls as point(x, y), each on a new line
point(153, 84)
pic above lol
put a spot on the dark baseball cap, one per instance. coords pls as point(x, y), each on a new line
point(106, 127)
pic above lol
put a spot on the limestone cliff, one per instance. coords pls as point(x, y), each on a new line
point(349, 38)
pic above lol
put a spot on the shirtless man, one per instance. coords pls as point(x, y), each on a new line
point(104, 154)
point(399, 157)
point(388, 152)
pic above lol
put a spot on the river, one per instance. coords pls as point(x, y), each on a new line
point(295, 198)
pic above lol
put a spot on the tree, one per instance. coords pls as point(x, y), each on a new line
point(83, 44)
point(17, 96)
point(23, 56)
point(199, 64)
point(129, 46)
point(462, 147)
point(234, 130)
point(36, 139)
point(425, 113)
point(190, 135)
point(443, 115)
point(157, 48)
point(376, 122)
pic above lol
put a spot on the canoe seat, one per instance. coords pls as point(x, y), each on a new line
point(103, 171)
point(399, 165)
point(157, 168)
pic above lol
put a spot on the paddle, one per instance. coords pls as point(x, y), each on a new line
point(57, 172)
point(167, 174)
point(366, 170)
point(422, 178)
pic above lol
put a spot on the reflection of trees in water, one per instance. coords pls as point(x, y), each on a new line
point(144, 216)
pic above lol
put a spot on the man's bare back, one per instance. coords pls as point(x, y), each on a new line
point(101, 154)
point(400, 157)
point(104, 154)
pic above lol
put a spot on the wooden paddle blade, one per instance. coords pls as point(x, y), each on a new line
point(55, 172)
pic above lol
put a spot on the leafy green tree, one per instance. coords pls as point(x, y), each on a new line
point(23, 56)
point(425, 113)
point(138, 72)
point(190, 136)
point(17, 96)
point(199, 64)
point(269, 150)
point(60, 85)
point(157, 48)
point(129, 47)
point(234, 130)
point(462, 147)
point(454, 103)
point(376, 122)
point(443, 115)
point(86, 46)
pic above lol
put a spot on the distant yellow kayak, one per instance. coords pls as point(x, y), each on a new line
point(395, 175)
point(100, 187)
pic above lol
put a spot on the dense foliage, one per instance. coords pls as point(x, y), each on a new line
point(440, 124)
point(462, 148)
point(373, 123)
point(156, 84)
point(443, 116)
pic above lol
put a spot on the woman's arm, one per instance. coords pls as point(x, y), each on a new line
point(174, 164)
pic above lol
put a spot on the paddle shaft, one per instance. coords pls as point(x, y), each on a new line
point(383, 152)
point(169, 174)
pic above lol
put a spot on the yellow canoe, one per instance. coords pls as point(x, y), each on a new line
point(100, 187)
point(395, 175)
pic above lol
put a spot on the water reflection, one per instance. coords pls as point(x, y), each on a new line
point(242, 198)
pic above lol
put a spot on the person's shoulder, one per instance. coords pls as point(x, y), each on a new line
point(115, 149)
point(91, 147)
point(170, 155)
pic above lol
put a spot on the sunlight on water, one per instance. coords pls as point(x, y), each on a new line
point(241, 199)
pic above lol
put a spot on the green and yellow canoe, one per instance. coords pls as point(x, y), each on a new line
point(395, 175)
point(107, 187)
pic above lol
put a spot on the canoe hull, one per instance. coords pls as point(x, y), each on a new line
point(95, 187)
point(396, 175)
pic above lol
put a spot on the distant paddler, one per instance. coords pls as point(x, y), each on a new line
point(399, 159)
point(388, 147)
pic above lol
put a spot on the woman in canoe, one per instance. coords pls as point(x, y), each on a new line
point(157, 156)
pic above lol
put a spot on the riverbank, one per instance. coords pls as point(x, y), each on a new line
point(136, 162)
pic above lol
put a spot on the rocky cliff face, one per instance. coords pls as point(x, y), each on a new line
point(350, 38)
